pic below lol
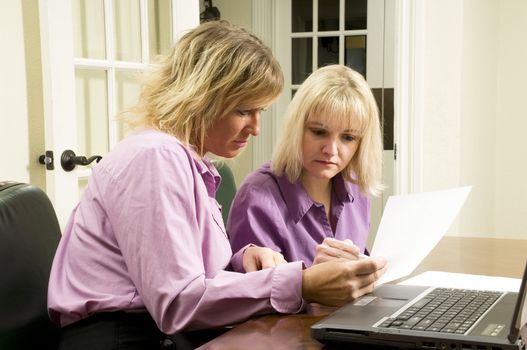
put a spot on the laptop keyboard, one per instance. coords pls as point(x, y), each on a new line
point(444, 310)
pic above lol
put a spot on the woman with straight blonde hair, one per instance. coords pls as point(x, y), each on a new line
point(145, 253)
point(312, 201)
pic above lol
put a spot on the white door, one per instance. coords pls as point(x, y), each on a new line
point(92, 52)
point(357, 33)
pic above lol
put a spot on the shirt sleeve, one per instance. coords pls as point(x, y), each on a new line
point(156, 220)
point(254, 218)
point(236, 263)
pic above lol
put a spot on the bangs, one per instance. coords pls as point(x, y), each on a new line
point(262, 89)
point(344, 111)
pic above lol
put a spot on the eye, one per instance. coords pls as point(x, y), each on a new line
point(243, 112)
point(318, 131)
point(348, 137)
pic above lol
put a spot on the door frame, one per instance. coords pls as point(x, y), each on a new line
point(410, 39)
point(58, 88)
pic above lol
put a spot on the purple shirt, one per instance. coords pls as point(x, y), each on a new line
point(270, 211)
point(148, 235)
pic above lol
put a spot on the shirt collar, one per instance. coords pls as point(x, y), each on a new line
point(343, 189)
point(209, 173)
point(298, 201)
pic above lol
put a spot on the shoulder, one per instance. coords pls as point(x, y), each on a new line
point(260, 180)
point(148, 142)
point(147, 163)
point(147, 151)
point(259, 187)
point(356, 195)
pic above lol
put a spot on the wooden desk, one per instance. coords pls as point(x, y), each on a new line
point(486, 256)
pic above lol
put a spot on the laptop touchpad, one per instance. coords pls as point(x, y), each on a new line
point(389, 302)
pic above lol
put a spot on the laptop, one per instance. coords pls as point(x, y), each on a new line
point(405, 316)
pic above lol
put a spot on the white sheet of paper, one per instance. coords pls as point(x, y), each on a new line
point(412, 225)
point(463, 280)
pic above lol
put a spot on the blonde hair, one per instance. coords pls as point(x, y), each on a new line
point(342, 94)
point(208, 73)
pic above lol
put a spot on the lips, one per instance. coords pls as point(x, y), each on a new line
point(325, 162)
point(241, 143)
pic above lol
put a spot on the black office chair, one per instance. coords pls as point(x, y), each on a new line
point(29, 235)
point(227, 189)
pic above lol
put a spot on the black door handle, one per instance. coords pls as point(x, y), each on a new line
point(69, 160)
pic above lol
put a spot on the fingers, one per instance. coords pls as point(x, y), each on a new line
point(364, 273)
point(332, 248)
point(267, 260)
point(258, 258)
point(250, 265)
point(368, 266)
point(278, 259)
point(346, 245)
point(338, 281)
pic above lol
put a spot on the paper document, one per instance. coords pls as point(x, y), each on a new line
point(464, 281)
point(412, 225)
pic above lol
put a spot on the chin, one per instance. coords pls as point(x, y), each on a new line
point(229, 154)
point(322, 175)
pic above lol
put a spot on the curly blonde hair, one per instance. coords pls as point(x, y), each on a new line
point(342, 94)
point(212, 69)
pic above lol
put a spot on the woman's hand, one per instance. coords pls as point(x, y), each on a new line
point(338, 281)
point(332, 248)
point(258, 258)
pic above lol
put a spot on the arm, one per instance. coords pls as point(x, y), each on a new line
point(254, 219)
point(175, 266)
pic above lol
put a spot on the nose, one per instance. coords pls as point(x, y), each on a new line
point(330, 147)
point(254, 123)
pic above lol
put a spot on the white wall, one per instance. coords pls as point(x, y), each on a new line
point(473, 121)
point(478, 115)
point(21, 121)
point(441, 145)
point(14, 145)
point(511, 121)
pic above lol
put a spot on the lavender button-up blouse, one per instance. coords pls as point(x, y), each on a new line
point(148, 235)
point(270, 211)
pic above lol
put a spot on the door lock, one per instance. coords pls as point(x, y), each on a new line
point(47, 160)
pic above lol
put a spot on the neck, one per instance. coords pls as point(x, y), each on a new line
point(319, 190)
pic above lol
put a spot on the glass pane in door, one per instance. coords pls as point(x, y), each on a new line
point(328, 50)
point(92, 112)
point(356, 14)
point(328, 15)
point(301, 16)
point(159, 30)
point(355, 53)
point(127, 91)
point(127, 30)
point(88, 29)
point(302, 59)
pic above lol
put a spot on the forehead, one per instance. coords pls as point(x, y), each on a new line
point(334, 122)
point(254, 101)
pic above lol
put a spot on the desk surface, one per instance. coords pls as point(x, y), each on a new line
point(484, 256)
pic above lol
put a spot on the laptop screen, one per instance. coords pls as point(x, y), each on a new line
point(519, 318)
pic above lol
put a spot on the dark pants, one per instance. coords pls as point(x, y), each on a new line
point(123, 331)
